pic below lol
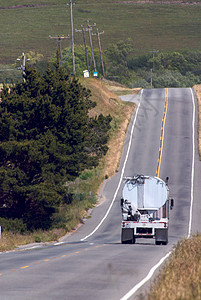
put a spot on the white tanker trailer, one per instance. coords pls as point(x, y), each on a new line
point(145, 209)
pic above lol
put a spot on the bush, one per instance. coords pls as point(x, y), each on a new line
point(14, 225)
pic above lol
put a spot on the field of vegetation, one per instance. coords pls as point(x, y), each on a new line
point(165, 26)
point(138, 36)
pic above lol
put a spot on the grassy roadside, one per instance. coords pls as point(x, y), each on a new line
point(197, 89)
point(103, 92)
point(180, 277)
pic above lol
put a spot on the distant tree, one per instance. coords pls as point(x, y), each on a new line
point(46, 139)
point(174, 61)
point(117, 57)
point(80, 60)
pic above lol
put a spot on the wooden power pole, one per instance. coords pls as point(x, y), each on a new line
point(101, 55)
point(72, 35)
point(23, 61)
point(85, 46)
point(89, 28)
point(59, 38)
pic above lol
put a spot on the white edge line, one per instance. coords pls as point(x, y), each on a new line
point(121, 177)
point(147, 278)
point(193, 166)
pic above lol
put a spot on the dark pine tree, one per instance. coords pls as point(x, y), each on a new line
point(46, 139)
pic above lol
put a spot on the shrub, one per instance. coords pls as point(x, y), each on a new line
point(14, 225)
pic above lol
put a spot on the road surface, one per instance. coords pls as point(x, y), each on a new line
point(92, 263)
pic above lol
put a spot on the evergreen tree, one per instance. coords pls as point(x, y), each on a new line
point(46, 139)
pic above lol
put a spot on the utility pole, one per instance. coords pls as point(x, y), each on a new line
point(84, 39)
point(89, 28)
point(23, 65)
point(154, 51)
point(101, 55)
point(72, 34)
point(151, 78)
point(59, 38)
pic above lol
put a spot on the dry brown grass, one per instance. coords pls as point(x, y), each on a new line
point(103, 92)
point(181, 277)
point(197, 89)
point(10, 241)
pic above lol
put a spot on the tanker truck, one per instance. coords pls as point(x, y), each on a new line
point(145, 207)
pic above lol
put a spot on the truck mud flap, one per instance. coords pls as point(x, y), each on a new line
point(161, 236)
point(127, 236)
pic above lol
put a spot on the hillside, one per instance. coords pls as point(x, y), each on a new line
point(26, 26)
point(108, 102)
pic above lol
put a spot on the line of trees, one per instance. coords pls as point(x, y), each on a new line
point(46, 139)
point(124, 65)
point(169, 69)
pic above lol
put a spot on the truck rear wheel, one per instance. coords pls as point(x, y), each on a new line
point(127, 236)
point(161, 236)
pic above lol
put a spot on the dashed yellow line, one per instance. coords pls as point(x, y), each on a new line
point(162, 133)
point(64, 255)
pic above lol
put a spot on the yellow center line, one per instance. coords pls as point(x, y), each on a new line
point(162, 133)
point(64, 255)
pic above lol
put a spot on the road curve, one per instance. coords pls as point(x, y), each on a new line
point(93, 263)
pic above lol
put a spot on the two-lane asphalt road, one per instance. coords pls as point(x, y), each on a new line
point(92, 263)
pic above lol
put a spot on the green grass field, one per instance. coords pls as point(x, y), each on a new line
point(158, 26)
